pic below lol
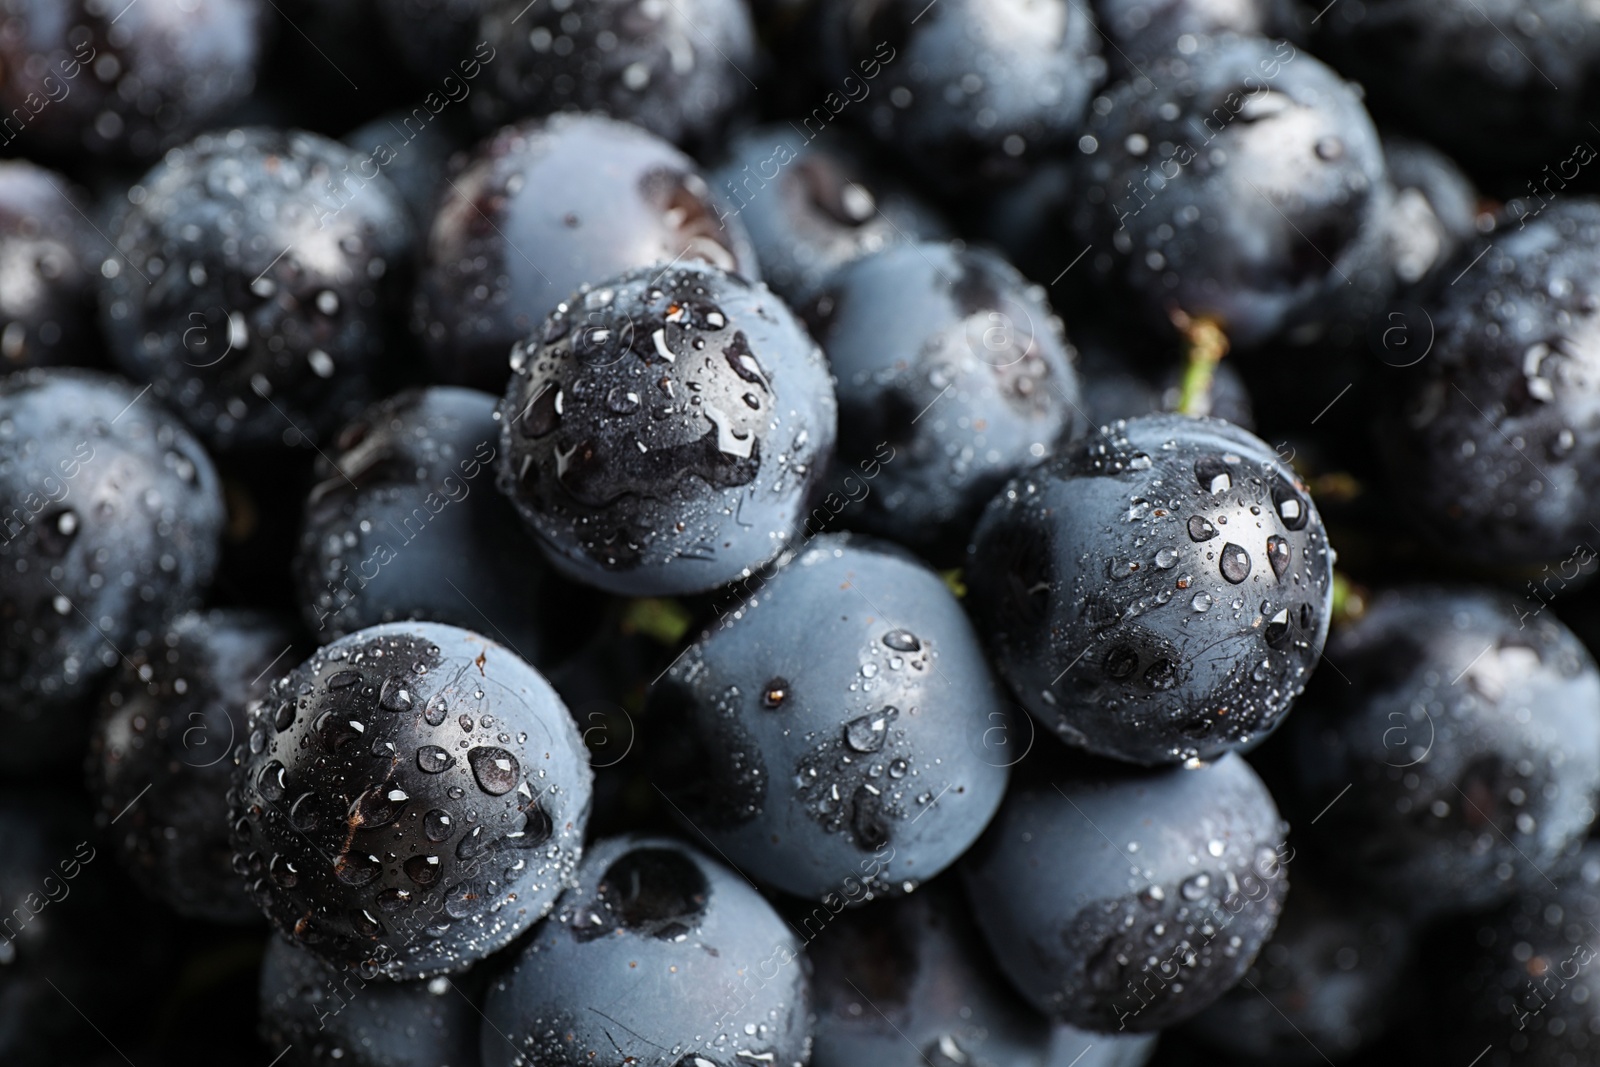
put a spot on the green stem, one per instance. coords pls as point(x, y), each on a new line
point(664, 619)
point(953, 581)
point(1207, 345)
point(1349, 600)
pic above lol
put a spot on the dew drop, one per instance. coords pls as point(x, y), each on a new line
point(543, 412)
point(303, 814)
point(357, 868)
point(282, 872)
point(423, 870)
point(537, 827)
point(902, 641)
point(1162, 674)
point(335, 730)
point(868, 732)
point(1120, 662)
point(432, 759)
point(394, 899)
point(365, 924)
point(495, 769)
point(378, 806)
point(344, 680)
point(622, 401)
point(866, 820)
point(1291, 509)
point(1278, 554)
point(1277, 629)
point(437, 825)
point(396, 695)
point(271, 781)
point(1235, 563)
point(1213, 474)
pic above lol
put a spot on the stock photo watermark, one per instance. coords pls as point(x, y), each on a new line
point(1220, 118)
point(742, 190)
point(342, 591)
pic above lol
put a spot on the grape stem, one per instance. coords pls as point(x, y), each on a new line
point(1207, 344)
point(1349, 600)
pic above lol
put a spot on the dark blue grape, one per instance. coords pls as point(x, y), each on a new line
point(725, 979)
point(1161, 593)
point(839, 726)
point(1124, 900)
point(664, 431)
point(398, 811)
